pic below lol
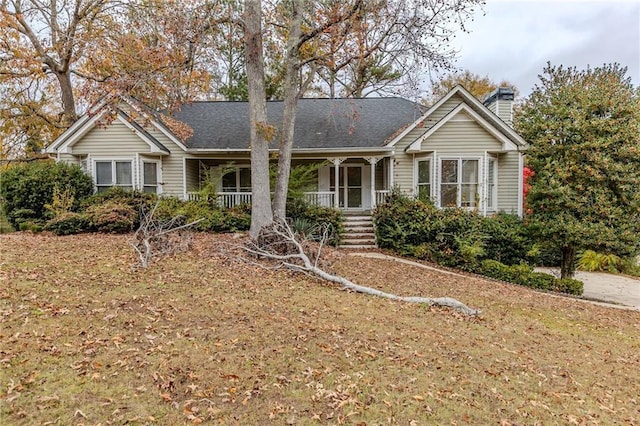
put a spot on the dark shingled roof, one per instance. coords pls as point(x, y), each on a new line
point(320, 123)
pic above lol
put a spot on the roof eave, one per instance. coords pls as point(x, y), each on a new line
point(295, 150)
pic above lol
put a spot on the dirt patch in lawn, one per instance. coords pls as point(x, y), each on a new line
point(199, 338)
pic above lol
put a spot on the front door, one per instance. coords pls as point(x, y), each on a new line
point(349, 186)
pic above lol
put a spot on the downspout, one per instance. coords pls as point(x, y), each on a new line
point(414, 182)
point(520, 182)
point(137, 171)
point(485, 178)
point(184, 178)
point(392, 161)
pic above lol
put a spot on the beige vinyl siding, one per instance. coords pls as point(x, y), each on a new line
point(502, 109)
point(172, 175)
point(444, 109)
point(192, 175)
point(172, 165)
point(69, 159)
point(464, 138)
point(461, 137)
point(435, 116)
point(116, 140)
point(508, 182)
point(454, 136)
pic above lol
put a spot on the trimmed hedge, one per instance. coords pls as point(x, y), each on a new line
point(524, 275)
point(69, 223)
point(498, 246)
point(452, 237)
point(112, 217)
point(118, 211)
point(303, 212)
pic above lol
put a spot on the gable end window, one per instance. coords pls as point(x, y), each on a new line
point(110, 173)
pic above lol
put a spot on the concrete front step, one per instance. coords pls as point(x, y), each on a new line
point(358, 218)
point(358, 247)
point(368, 235)
point(350, 241)
point(358, 224)
point(359, 232)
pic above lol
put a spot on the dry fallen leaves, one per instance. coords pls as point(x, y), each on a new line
point(203, 338)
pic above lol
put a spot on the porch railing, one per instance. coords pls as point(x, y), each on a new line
point(232, 199)
point(382, 195)
point(225, 199)
point(322, 198)
point(319, 198)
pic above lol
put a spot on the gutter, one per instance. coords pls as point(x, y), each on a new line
point(324, 151)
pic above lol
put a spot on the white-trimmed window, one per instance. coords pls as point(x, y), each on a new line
point(492, 193)
point(110, 173)
point(237, 180)
point(459, 182)
point(150, 176)
point(423, 180)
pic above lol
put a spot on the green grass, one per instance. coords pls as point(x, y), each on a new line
point(203, 338)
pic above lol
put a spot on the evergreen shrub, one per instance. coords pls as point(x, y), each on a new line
point(26, 189)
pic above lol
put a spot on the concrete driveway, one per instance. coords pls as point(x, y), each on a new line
point(603, 287)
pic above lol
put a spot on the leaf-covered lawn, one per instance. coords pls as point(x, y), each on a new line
point(200, 338)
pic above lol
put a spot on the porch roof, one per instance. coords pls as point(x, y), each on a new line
point(323, 124)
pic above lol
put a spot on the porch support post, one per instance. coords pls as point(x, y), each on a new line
point(373, 161)
point(390, 170)
point(336, 174)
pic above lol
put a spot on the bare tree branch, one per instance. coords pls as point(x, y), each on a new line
point(280, 243)
point(159, 238)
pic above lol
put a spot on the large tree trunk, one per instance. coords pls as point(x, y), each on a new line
point(261, 214)
point(568, 262)
point(291, 93)
point(68, 99)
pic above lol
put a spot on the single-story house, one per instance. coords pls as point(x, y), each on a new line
point(459, 152)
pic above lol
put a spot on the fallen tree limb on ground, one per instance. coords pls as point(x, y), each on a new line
point(159, 238)
point(280, 243)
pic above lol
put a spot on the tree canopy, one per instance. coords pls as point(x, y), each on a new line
point(476, 84)
point(366, 43)
point(583, 127)
point(58, 57)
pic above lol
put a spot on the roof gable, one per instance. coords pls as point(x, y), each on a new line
point(64, 144)
point(463, 113)
point(473, 104)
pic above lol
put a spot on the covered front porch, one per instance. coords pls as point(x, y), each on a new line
point(362, 182)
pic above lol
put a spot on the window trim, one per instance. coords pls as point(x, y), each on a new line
point(113, 161)
point(158, 164)
point(416, 175)
point(236, 171)
point(459, 182)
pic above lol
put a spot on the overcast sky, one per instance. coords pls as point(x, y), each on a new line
point(515, 38)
